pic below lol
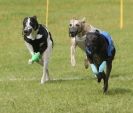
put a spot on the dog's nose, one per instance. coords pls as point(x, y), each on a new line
point(72, 34)
point(25, 31)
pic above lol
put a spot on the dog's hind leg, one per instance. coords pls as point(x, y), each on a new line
point(45, 58)
point(108, 70)
point(104, 82)
point(45, 76)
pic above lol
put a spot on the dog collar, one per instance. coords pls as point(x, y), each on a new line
point(88, 51)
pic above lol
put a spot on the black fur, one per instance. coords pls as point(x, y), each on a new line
point(98, 53)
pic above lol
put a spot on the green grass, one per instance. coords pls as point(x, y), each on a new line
point(20, 88)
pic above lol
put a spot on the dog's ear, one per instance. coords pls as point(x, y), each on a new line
point(24, 21)
point(35, 17)
point(74, 18)
point(35, 27)
point(83, 20)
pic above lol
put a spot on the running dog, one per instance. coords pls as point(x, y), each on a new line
point(77, 31)
point(100, 52)
point(39, 42)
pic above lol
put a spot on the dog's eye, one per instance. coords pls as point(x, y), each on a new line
point(31, 23)
point(70, 25)
point(77, 25)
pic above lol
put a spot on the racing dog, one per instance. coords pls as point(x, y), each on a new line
point(39, 42)
point(77, 31)
point(100, 52)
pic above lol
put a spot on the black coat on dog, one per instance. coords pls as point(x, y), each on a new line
point(96, 51)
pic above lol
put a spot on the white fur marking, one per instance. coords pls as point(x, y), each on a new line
point(28, 26)
point(30, 37)
point(38, 36)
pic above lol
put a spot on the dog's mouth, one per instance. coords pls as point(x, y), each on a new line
point(27, 32)
point(73, 32)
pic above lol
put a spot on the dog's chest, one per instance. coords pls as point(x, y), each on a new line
point(32, 37)
point(39, 43)
point(80, 41)
point(96, 59)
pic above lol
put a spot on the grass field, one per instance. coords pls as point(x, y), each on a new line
point(74, 90)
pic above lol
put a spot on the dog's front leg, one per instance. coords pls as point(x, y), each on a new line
point(30, 48)
point(73, 48)
point(108, 70)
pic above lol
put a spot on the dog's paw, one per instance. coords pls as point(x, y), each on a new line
point(42, 81)
point(86, 64)
point(73, 63)
point(30, 61)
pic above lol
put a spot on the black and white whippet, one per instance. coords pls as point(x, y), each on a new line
point(38, 40)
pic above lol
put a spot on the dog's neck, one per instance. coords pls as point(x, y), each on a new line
point(84, 29)
point(33, 35)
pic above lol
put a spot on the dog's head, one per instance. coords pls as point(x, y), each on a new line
point(30, 24)
point(92, 43)
point(76, 26)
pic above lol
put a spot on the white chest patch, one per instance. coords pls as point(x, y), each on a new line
point(81, 41)
point(32, 38)
point(38, 36)
point(28, 26)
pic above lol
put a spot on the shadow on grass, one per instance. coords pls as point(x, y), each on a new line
point(121, 91)
point(68, 79)
point(117, 75)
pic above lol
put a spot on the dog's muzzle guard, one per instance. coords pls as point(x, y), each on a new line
point(73, 32)
point(27, 31)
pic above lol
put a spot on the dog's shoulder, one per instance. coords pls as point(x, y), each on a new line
point(93, 37)
point(43, 30)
